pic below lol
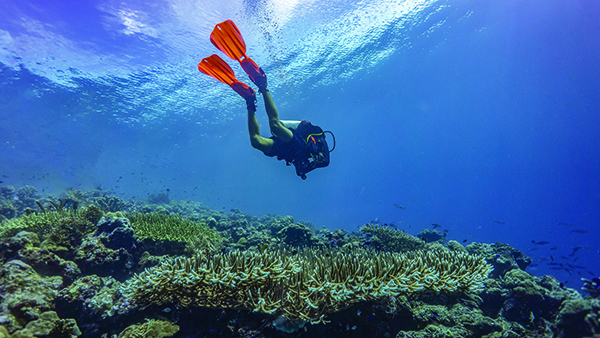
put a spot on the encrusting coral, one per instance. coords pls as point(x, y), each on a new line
point(305, 285)
point(150, 329)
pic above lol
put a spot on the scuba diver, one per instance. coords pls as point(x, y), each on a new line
point(297, 142)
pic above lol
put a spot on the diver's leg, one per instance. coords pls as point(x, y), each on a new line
point(258, 142)
point(277, 129)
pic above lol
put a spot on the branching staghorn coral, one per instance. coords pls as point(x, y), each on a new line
point(306, 285)
point(46, 222)
point(157, 226)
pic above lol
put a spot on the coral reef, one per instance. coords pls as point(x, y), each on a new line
point(48, 263)
point(157, 226)
point(150, 329)
point(48, 324)
point(501, 256)
point(387, 239)
point(92, 295)
point(93, 257)
point(579, 317)
point(432, 235)
point(297, 235)
point(306, 285)
point(115, 233)
point(591, 286)
point(25, 295)
point(159, 198)
point(270, 277)
point(60, 225)
point(455, 246)
point(110, 203)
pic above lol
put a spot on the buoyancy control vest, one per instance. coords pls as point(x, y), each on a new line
point(313, 152)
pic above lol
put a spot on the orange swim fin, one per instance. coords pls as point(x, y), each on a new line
point(228, 39)
point(217, 68)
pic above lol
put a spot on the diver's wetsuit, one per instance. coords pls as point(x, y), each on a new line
point(287, 150)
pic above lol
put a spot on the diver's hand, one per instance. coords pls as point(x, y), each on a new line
point(251, 102)
point(261, 81)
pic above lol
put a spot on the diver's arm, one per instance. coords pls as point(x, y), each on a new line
point(277, 128)
point(258, 142)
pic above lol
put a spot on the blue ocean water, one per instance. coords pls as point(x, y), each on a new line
point(478, 115)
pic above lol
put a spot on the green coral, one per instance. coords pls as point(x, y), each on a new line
point(297, 235)
point(18, 334)
point(502, 256)
point(110, 203)
point(39, 223)
point(78, 221)
point(98, 294)
point(387, 239)
point(70, 230)
point(305, 285)
point(8, 209)
point(157, 226)
point(150, 329)
point(25, 295)
point(50, 325)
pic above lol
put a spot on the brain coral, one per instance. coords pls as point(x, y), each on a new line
point(305, 285)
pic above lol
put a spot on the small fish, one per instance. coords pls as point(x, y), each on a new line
point(465, 240)
point(567, 224)
point(401, 207)
point(166, 310)
point(358, 312)
point(531, 317)
point(499, 222)
point(575, 249)
point(540, 242)
point(534, 249)
point(435, 225)
point(577, 231)
point(553, 248)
